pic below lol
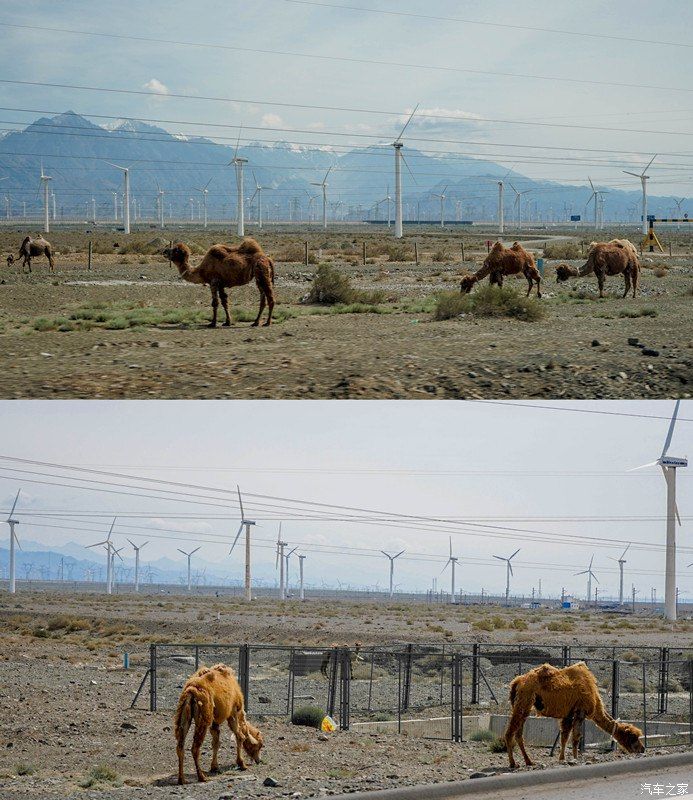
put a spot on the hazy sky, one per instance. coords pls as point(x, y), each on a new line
point(390, 456)
point(279, 25)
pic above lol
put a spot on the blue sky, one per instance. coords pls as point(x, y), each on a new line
point(281, 25)
point(319, 450)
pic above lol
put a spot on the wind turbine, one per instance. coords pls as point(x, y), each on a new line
point(245, 523)
point(621, 561)
point(137, 549)
point(669, 464)
point(324, 197)
point(126, 194)
point(45, 179)
point(643, 180)
point(518, 203)
point(442, 205)
point(238, 162)
point(453, 561)
point(258, 192)
point(501, 191)
point(109, 560)
point(590, 575)
point(189, 557)
point(597, 196)
point(279, 562)
point(301, 593)
point(392, 568)
point(204, 193)
point(508, 569)
point(160, 203)
point(286, 561)
point(399, 157)
point(13, 540)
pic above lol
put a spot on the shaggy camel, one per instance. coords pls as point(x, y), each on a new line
point(31, 248)
point(502, 261)
point(606, 258)
point(570, 695)
point(210, 697)
point(224, 267)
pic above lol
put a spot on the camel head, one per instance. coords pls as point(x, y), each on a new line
point(10, 260)
point(629, 738)
point(467, 284)
point(253, 742)
point(25, 244)
point(563, 272)
point(179, 254)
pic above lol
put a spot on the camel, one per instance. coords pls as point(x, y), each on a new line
point(31, 248)
point(223, 267)
point(210, 697)
point(502, 261)
point(606, 258)
point(570, 695)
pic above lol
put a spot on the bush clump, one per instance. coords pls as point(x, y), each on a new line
point(482, 735)
point(101, 774)
point(331, 287)
point(497, 745)
point(562, 250)
point(309, 716)
point(489, 301)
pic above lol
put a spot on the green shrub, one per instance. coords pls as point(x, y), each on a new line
point(101, 774)
point(565, 626)
point(25, 769)
point(484, 625)
point(489, 301)
point(44, 324)
point(482, 735)
point(562, 250)
point(497, 745)
point(519, 624)
point(634, 313)
point(331, 287)
point(310, 716)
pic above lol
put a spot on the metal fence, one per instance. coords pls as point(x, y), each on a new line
point(436, 691)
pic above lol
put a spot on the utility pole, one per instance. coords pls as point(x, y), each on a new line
point(301, 594)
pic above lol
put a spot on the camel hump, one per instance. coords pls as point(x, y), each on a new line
point(250, 247)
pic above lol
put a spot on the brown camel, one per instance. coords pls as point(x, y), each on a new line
point(502, 261)
point(31, 248)
point(224, 267)
point(606, 258)
point(210, 697)
point(570, 695)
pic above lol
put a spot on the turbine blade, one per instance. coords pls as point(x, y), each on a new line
point(238, 141)
point(142, 545)
point(181, 551)
point(595, 577)
point(626, 550)
point(500, 558)
point(670, 432)
point(643, 466)
point(406, 164)
point(634, 174)
point(240, 502)
point(676, 509)
point(515, 553)
point(411, 116)
point(110, 530)
point(451, 547)
point(591, 184)
point(591, 561)
point(445, 567)
point(399, 554)
point(240, 528)
point(650, 164)
point(326, 174)
point(510, 566)
point(14, 505)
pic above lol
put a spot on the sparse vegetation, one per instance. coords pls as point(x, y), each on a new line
point(309, 716)
point(332, 287)
point(489, 301)
point(101, 774)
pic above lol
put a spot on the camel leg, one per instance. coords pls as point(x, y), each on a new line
point(577, 732)
point(225, 305)
point(515, 723)
point(240, 738)
point(215, 731)
point(626, 279)
point(529, 288)
point(180, 752)
point(215, 306)
point(51, 263)
point(262, 308)
point(566, 725)
point(600, 281)
point(521, 745)
point(538, 282)
point(636, 278)
point(198, 738)
point(27, 262)
point(264, 284)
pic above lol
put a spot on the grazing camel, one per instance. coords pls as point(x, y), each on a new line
point(570, 695)
point(31, 248)
point(606, 258)
point(210, 697)
point(502, 261)
point(224, 267)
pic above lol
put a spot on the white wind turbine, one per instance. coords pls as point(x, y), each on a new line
point(279, 562)
point(204, 191)
point(258, 192)
point(301, 591)
point(11, 521)
point(137, 549)
point(160, 203)
point(441, 196)
point(598, 197)
point(452, 560)
point(108, 544)
point(287, 556)
point(644, 178)
point(45, 180)
point(518, 203)
point(238, 162)
point(621, 561)
point(501, 192)
point(590, 575)
point(669, 464)
point(508, 571)
point(245, 523)
point(324, 197)
point(391, 559)
point(399, 157)
point(126, 194)
point(189, 557)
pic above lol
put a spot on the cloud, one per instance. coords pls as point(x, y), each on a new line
point(442, 119)
point(156, 86)
point(271, 121)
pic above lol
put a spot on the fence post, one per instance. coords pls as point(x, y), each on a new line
point(615, 691)
point(197, 657)
point(89, 256)
point(690, 701)
point(152, 677)
point(290, 685)
point(244, 671)
point(462, 251)
point(364, 254)
point(370, 681)
point(565, 655)
point(456, 700)
point(305, 253)
point(344, 689)
point(399, 693)
point(332, 682)
point(442, 672)
point(475, 674)
point(407, 679)
point(644, 702)
point(663, 689)
point(416, 253)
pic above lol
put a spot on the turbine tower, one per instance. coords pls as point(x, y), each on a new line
point(160, 203)
point(245, 523)
point(598, 197)
point(126, 195)
point(590, 575)
point(669, 464)
point(279, 563)
point(644, 178)
point(110, 547)
point(508, 570)
point(621, 561)
point(399, 157)
point(287, 556)
point(258, 192)
point(137, 549)
point(45, 179)
point(441, 196)
point(301, 593)
point(189, 557)
point(324, 197)
point(11, 521)
point(238, 162)
point(452, 560)
point(392, 569)
point(518, 203)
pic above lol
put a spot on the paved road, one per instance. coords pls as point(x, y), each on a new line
point(620, 787)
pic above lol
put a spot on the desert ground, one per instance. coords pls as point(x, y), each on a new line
point(68, 730)
point(130, 328)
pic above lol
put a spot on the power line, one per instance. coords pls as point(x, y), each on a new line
point(579, 410)
point(506, 25)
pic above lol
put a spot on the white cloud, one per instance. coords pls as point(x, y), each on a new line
point(271, 120)
point(156, 86)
